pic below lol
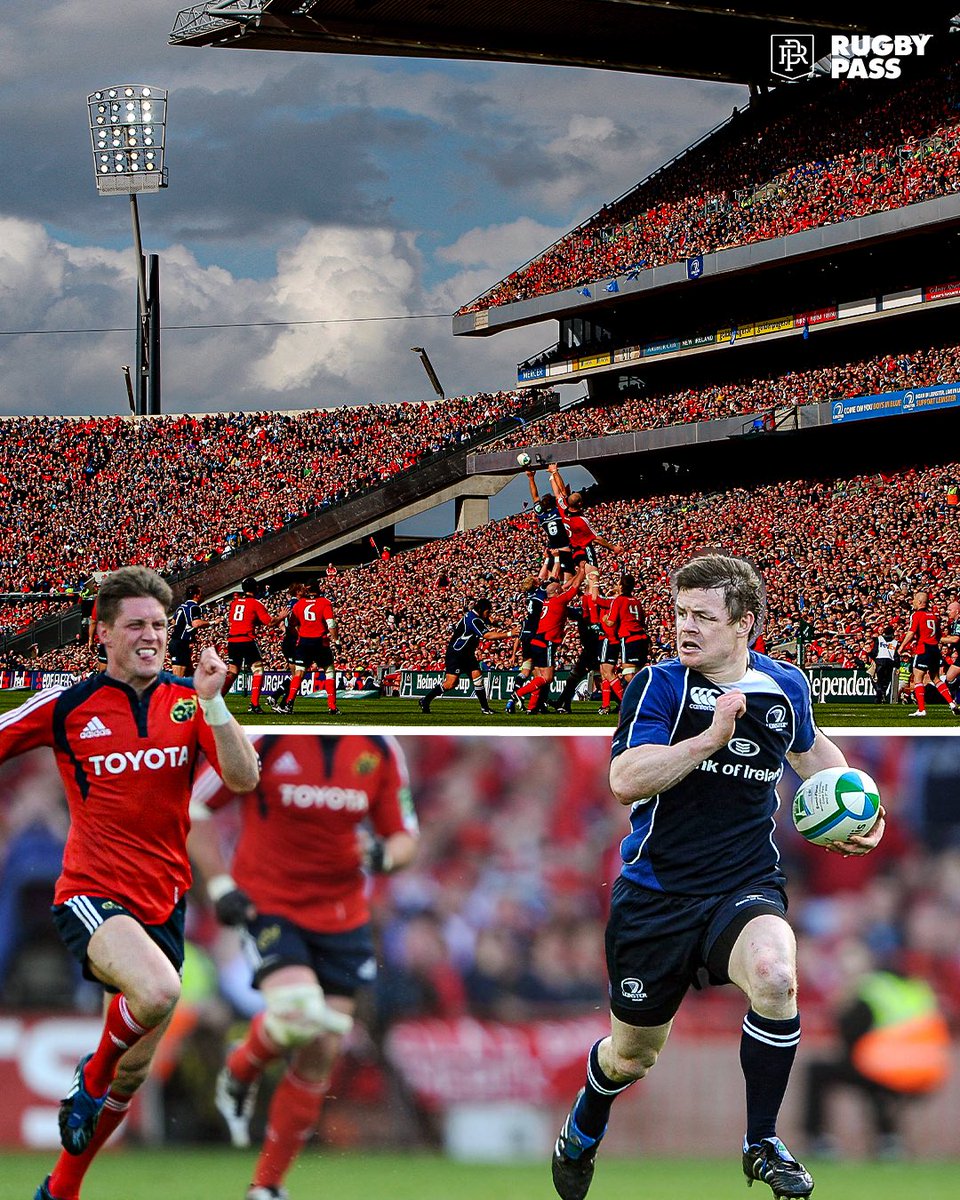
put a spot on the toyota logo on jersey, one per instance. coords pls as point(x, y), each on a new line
point(153, 760)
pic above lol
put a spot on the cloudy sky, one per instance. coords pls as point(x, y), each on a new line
point(303, 188)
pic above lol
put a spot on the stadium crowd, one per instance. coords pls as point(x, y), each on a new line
point(837, 153)
point(741, 397)
point(81, 495)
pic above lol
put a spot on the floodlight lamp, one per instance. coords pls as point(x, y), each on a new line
point(123, 120)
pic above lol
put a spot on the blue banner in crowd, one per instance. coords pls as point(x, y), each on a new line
point(894, 404)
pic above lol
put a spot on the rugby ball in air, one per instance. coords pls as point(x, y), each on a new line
point(835, 804)
point(523, 459)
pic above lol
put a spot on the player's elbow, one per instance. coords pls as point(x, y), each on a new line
point(626, 787)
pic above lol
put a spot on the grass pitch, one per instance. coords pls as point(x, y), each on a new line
point(449, 713)
point(219, 1174)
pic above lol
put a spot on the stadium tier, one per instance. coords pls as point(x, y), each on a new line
point(806, 157)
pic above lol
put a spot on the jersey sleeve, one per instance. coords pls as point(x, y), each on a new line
point(649, 712)
point(806, 733)
point(209, 791)
point(392, 810)
point(262, 615)
point(30, 725)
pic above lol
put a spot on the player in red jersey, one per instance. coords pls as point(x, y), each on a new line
point(583, 538)
point(313, 617)
point(246, 614)
point(544, 643)
point(626, 642)
point(126, 742)
point(924, 635)
point(327, 811)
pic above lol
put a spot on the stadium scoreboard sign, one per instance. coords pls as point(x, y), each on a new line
point(929, 399)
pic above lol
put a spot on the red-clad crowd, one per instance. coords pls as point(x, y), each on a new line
point(85, 495)
point(741, 397)
point(840, 151)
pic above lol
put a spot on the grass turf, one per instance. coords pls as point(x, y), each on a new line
point(448, 713)
point(218, 1174)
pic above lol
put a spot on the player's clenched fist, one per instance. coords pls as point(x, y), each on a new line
point(730, 705)
point(210, 673)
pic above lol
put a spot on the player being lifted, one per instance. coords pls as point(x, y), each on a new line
point(559, 550)
point(626, 642)
point(245, 615)
point(461, 658)
point(699, 748)
point(298, 891)
point(583, 539)
point(126, 742)
point(924, 635)
point(315, 623)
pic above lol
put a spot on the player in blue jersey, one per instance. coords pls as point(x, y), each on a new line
point(183, 632)
point(461, 655)
point(700, 746)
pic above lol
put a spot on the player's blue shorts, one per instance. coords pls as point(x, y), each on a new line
point(659, 945)
point(460, 662)
point(243, 654)
point(342, 962)
point(543, 654)
point(928, 661)
point(77, 919)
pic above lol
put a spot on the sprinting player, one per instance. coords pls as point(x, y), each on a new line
point(583, 539)
point(288, 646)
point(626, 642)
point(701, 742)
point(545, 644)
point(315, 623)
point(245, 615)
point(559, 550)
point(126, 742)
point(298, 892)
point(534, 591)
point(187, 620)
point(461, 655)
point(924, 637)
point(587, 614)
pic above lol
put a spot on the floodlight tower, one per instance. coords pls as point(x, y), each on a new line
point(127, 126)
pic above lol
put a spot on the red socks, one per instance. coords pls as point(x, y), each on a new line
point(294, 1113)
point(120, 1032)
point(246, 1061)
point(255, 687)
point(330, 687)
point(918, 692)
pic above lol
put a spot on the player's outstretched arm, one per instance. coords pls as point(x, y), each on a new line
point(239, 766)
point(644, 771)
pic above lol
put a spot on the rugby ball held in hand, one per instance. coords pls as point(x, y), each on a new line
point(836, 804)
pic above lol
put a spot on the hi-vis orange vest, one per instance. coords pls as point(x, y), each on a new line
point(908, 1048)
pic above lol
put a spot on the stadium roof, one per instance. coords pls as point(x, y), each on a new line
point(693, 39)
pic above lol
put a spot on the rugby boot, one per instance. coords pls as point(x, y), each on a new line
point(574, 1158)
point(43, 1191)
point(79, 1113)
point(234, 1101)
point(262, 1192)
point(772, 1163)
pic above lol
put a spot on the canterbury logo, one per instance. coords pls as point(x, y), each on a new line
point(703, 698)
point(95, 728)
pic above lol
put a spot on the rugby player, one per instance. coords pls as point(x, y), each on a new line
point(924, 636)
point(245, 615)
point(126, 742)
point(534, 591)
point(950, 646)
point(583, 538)
point(559, 550)
point(312, 615)
point(699, 748)
point(183, 631)
point(327, 811)
point(461, 655)
point(587, 614)
point(626, 642)
point(545, 643)
point(288, 646)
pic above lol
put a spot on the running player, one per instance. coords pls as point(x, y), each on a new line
point(126, 742)
point(313, 616)
point(545, 644)
point(183, 631)
point(461, 655)
point(326, 813)
point(246, 614)
point(626, 642)
point(700, 745)
point(924, 636)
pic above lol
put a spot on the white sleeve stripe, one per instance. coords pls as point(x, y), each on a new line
point(47, 696)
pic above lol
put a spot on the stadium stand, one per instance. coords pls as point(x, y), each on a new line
point(792, 162)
